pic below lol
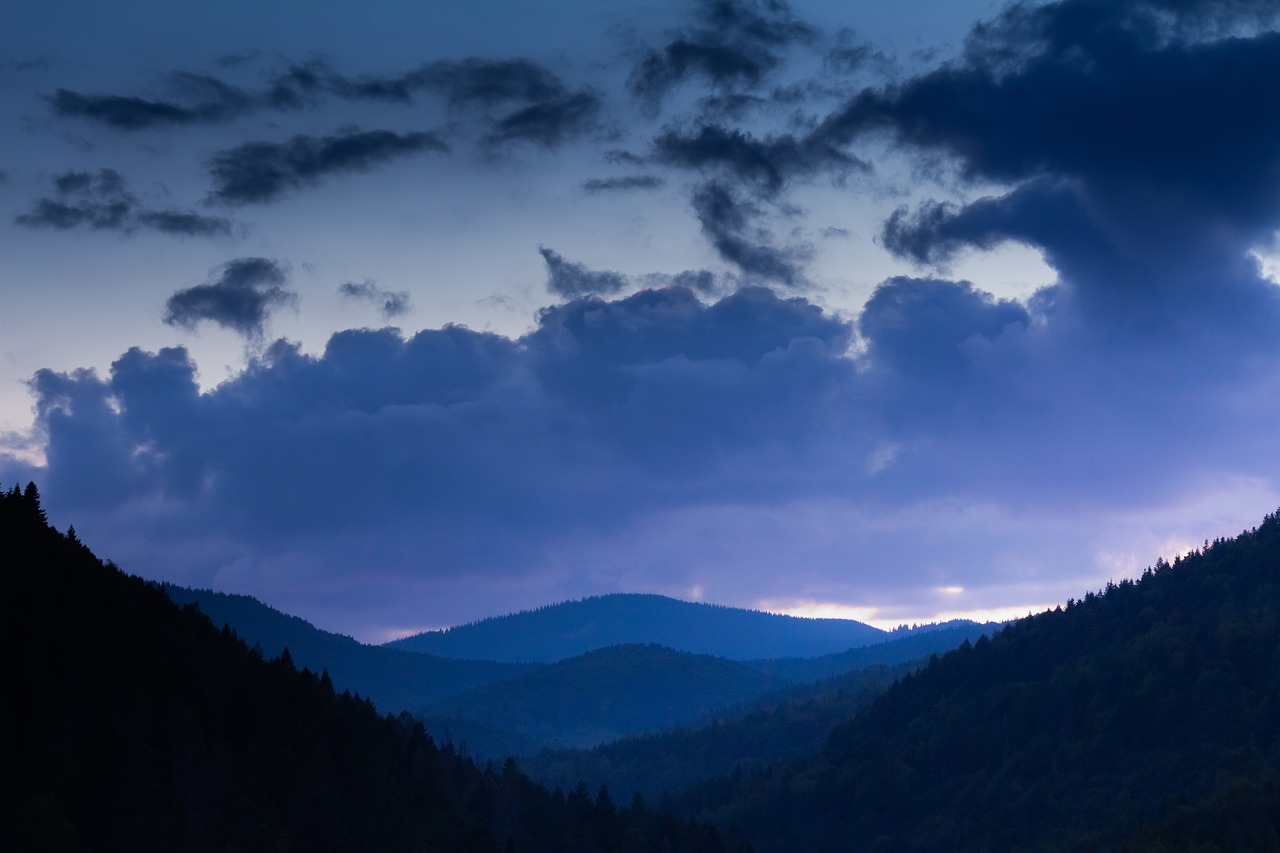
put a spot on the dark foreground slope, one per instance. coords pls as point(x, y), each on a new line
point(786, 724)
point(573, 628)
point(395, 680)
point(1143, 718)
point(133, 724)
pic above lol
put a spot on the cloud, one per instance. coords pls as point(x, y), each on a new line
point(390, 303)
point(241, 298)
point(1136, 152)
point(727, 221)
point(547, 123)
point(604, 410)
point(207, 100)
point(626, 182)
point(102, 202)
point(733, 46)
point(490, 82)
point(700, 431)
point(567, 278)
point(204, 99)
point(703, 282)
point(639, 426)
point(258, 172)
point(767, 164)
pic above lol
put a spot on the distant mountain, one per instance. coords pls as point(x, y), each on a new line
point(395, 680)
point(901, 647)
point(572, 628)
point(1146, 717)
point(133, 724)
point(603, 695)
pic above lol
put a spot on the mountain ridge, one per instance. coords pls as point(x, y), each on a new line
point(570, 628)
point(395, 680)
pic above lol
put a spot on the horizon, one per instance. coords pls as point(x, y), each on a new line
point(403, 316)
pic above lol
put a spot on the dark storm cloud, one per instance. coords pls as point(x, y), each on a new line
point(571, 279)
point(1142, 156)
point(548, 123)
point(490, 82)
point(390, 303)
point(703, 282)
point(768, 164)
point(205, 99)
point(241, 298)
point(733, 46)
point(729, 222)
point(915, 327)
point(471, 82)
point(626, 182)
point(604, 409)
point(102, 202)
point(258, 172)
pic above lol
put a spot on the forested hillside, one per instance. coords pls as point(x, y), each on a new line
point(608, 693)
point(136, 725)
point(395, 680)
point(787, 724)
point(1145, 717)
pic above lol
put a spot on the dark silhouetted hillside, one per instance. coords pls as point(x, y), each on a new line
point(605, 694)
point(133, 724)
point(395, 680)
point(572, 628)
point(1146, 717)
point(788, 724)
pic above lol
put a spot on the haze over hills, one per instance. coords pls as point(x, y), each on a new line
point(572, 628)
point(395, 680)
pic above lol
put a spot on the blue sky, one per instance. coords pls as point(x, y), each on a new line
point(404, 315)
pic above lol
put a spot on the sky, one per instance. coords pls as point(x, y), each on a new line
point(402, 315)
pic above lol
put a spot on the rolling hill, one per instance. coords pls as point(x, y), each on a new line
point(573, 628)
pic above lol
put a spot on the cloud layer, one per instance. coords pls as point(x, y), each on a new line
point(732, 428)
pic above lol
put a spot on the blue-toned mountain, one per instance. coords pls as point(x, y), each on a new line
point(573, 628)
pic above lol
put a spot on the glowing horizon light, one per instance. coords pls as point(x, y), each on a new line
point(820, 610)
point(869, 615)
point(390, 635)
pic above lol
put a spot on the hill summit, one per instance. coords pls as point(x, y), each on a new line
point(573, 628)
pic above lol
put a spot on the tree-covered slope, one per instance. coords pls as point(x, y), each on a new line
point(787, 724)
point(573, 628)
point(1146, 717)
point(133, 724)
point(606, 694)
point(395, 680)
